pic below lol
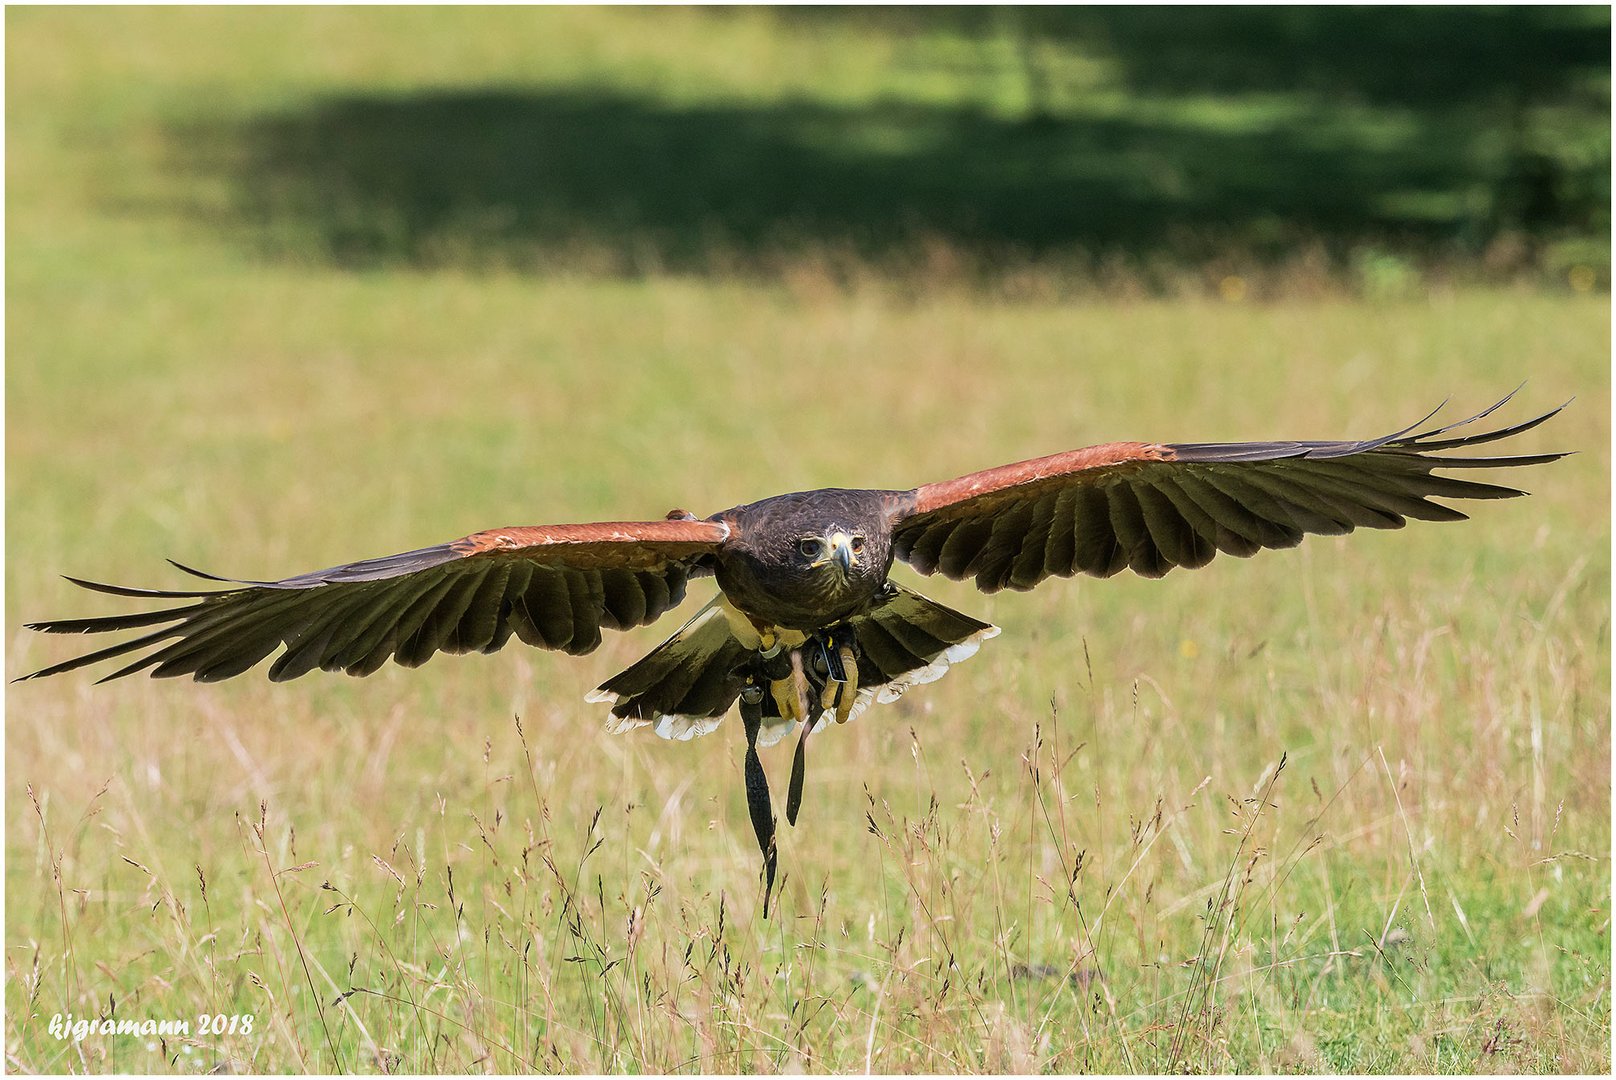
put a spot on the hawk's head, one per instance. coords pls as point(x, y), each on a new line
point(835, 549)
point(809, 558)
point(829, 559)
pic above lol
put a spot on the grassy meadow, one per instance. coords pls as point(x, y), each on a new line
point(1339, 808)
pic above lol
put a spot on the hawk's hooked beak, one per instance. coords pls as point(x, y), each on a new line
point(841, 549)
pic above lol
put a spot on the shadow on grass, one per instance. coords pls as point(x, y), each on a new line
point(534, 178)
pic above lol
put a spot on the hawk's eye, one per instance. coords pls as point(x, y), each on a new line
point(858, 545)
point(808, 546)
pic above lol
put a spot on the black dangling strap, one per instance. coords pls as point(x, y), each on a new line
point(808, 707)
point(799, 766)
point(757, 786)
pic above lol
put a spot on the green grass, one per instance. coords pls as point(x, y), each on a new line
point(1079, 851)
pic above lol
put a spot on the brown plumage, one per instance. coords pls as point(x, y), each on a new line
point(802, 576)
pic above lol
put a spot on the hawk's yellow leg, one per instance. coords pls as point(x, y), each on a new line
point(791, 693)
point(785, 697)
point(799, 686)
point(844, 708)
point(841, 695)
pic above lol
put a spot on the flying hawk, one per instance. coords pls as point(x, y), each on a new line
point(807, 624)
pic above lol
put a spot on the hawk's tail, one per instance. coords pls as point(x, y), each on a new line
point(906, 641)
point(685, 685)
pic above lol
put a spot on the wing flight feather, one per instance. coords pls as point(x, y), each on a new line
point(555, 586)
point(1151, 507)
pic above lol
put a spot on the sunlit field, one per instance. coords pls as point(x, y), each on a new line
point(1339, 808)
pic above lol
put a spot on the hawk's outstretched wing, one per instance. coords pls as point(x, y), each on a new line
point(553, 586)
point(1152, 506)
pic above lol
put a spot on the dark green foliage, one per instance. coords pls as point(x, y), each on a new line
point(1433, 133)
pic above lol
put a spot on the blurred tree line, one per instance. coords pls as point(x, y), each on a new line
point(1527, 88)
